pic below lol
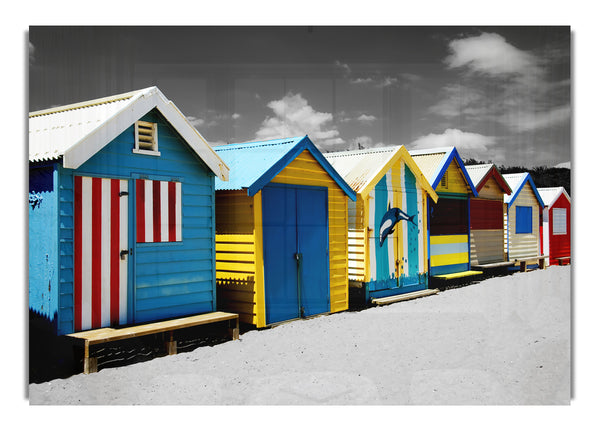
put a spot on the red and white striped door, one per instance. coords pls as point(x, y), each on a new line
point(100, 275)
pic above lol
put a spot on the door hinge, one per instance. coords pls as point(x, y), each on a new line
point(123, 193)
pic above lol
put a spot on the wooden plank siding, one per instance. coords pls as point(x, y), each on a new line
point(169, 279)
point(449, 225)
point(402, 261)
point(523, 244)
point(240, 271)
point(236, 254)
point(306, 171)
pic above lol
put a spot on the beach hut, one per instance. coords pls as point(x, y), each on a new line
point(387, 225)
point(556, 232)
point(522, 211)
point(282, 232)
point(449, 227)
point(487, 216)
point(121, 213)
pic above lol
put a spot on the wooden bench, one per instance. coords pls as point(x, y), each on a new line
point(106, 335)
point(522, 262)
point(455, 275)
point(561, 260)
point(492, 265)
point(404, 297)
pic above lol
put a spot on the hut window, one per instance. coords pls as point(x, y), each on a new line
point(158, 211)
point(523, 220)
point(444, 181)
point(559, 221)
point(146, 138)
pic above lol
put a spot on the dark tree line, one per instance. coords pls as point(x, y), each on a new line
point(542, 176)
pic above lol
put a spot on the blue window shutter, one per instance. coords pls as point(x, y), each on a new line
point(523, 220)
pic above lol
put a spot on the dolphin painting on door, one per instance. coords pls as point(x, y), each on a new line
point(387, 230)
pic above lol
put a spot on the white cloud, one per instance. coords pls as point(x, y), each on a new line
point(235, 116)
point(363, 118)
point(491, 54)
point(564, 165)
point(502, 84)
point(344, 67)
point(468, 144)
point(361, 142)
point(196, 122)
point(295, 117)
point(387, 81)
point(524, 121)
point(361, 81)
point(458, 99)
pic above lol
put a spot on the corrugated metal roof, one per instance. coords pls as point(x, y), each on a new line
point(249, 161)
point(429, 161)
point(516, 183)
point(76, 132)
point(53, 131)
point(478, 172)
point(255, 164)
point(360, 166)
point(551, 194)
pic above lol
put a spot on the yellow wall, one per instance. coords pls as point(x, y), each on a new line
point(240, 272)
point(236, 254)
point(524, 244)
point(456, 180)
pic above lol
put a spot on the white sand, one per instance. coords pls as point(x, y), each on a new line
point(505, 340)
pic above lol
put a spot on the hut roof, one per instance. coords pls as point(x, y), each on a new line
point(434, 163)
point(76, 132)
point(362, 169)
point(481, 173)
point(516, 183)
point(551, 194)
point(254, 164)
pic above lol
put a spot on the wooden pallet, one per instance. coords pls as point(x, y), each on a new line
point(106, 335)
point(404, 297)
point(562, 260)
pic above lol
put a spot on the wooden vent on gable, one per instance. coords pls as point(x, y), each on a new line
point(444, 181)
point(146, 139)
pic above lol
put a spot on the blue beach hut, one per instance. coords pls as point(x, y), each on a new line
point(121, 213)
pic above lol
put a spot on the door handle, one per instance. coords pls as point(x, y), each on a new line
point(123, 253)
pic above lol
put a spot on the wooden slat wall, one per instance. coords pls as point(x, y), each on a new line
point(524, 244)
point(305, 170)
point(236, 254)
point(487, 246)
point(456, 181)
point(171, 279)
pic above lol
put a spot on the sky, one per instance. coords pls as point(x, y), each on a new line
point(500, 94)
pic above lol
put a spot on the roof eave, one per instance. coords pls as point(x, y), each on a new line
point(139, 105)
point(303, 144)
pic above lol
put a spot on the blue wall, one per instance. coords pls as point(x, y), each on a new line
point(43, 241)
point(171, 279)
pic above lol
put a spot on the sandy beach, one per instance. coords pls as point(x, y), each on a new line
point(501, 341)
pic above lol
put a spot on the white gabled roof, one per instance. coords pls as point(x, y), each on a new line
point(77, 132)
point(551, 194)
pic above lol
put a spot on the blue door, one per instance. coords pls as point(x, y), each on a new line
point(295, 250)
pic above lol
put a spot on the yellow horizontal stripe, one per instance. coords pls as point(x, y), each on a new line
point(449, 259)
point(448, 239)
point(234, 247)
